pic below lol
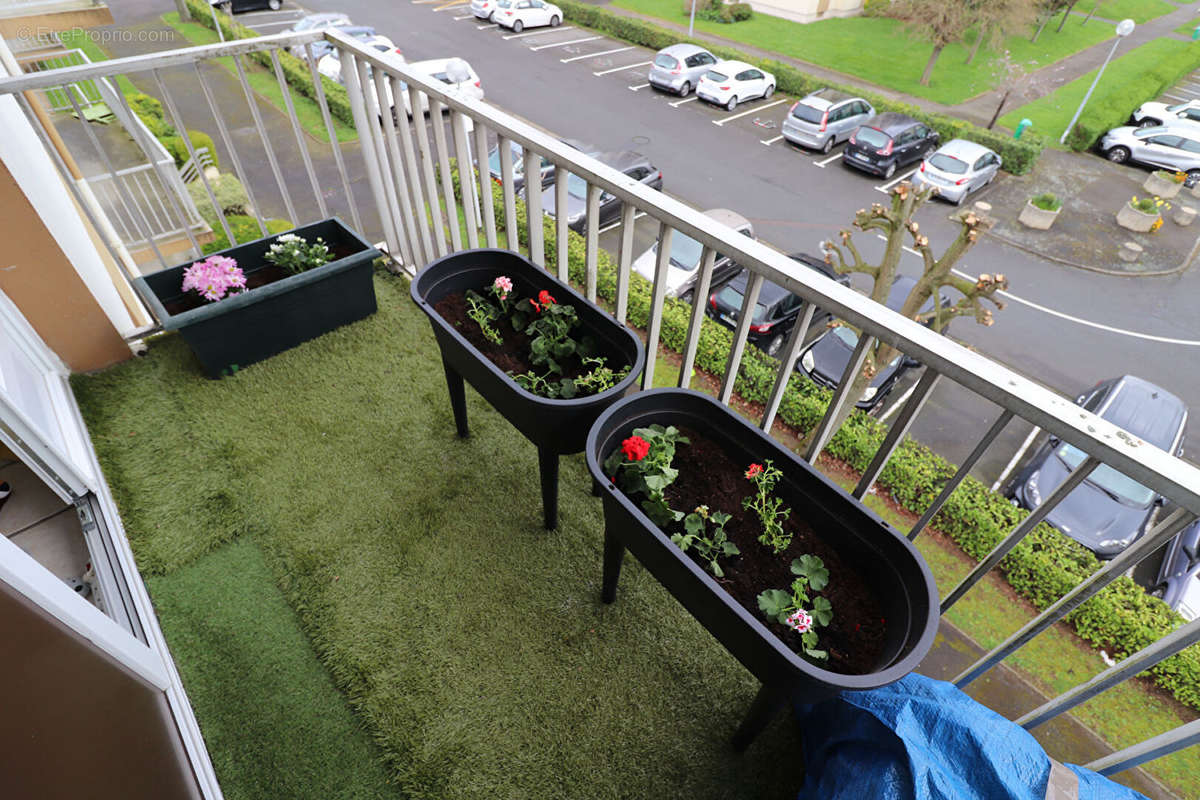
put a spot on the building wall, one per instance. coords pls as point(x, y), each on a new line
point(33, 23)
point(808, 10)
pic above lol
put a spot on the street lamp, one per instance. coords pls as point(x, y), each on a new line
point(1124, 28)
point(692, 19)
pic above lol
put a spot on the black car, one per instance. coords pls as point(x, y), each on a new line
point(518, 162)
point(889, 142)
point(1178, 581)
point(1108, 511)
point(238, 6)
point(825, 360)
point(635, 165)
point(777, 309)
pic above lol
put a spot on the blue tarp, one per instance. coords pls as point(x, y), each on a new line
point(921, 739)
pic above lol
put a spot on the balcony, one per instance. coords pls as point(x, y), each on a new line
point(313, 522)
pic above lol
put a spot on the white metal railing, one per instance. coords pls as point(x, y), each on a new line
point(415, 207)
point(151, 215)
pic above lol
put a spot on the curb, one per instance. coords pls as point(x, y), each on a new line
point(1183, 266)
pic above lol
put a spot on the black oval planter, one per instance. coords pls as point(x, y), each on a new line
point(887, 559)
point(556, 427)
point(267, 320)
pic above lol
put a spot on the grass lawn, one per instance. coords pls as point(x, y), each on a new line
point(877, 49)
point(1051, 113)
point(1137, 10)
point(80, 39)
point(1188, 27)
point(265, 85)
point(471, 642)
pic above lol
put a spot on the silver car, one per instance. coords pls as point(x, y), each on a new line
point(958, 168)
point(824, 118)
point(1174, 147)
point(678, 68)
point(683, 267)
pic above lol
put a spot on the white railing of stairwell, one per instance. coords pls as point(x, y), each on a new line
point(417, 209)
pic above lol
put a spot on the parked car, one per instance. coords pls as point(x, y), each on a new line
point(825, 360)
point(891, 141)
point(1170, 147)
point(461, 80)
point(484, 9)
point(1151, 115)
point(238, 6)
point(634, 165)
point(1178, 583)
point(518, 162)
point(958, 168)
point(313, 21)
point(684, 265)
point(822, 119)
point(330, 64)
point(777, 310)
point(1108, 511)
point(323, 48)
point(678, 68)
point(731, 82)
point(522, 14)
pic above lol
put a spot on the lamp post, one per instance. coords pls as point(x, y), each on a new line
point(1124, 28)
point(692, 19)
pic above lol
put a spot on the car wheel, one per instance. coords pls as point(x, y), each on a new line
point(686, 89)
point(1158, 591)
point(518, 26)
point(1117, 155)
point(732, 103)
point(775, 345)
point(770, 90)
point(890, 171)
point(687, 296)
point(827, 146)
point(1193, 177)
point(554, 21)
point(492, 18)
point(1149, 122)
point(274, 5)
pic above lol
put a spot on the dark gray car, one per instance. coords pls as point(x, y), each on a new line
point(1108, 511)
point(635, 165)
point(1178, 581)
point(678, 68)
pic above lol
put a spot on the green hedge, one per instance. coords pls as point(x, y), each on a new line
point(244, 229)
point(150, 111)
point(295, 71)
point(1019, 154)
point(1122, 618)
point(1112, 106)
point(178, 150)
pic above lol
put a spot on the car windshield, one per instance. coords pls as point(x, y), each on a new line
point(518, 159)
point(733, 297)
point(1143, 132)
point(665, 61)
point(1107, 478)
point(807, 113)
point(1177, 107)
point(713, 75)
point(947, 163)
point(685, 252)
point(871, 137)
point(848, 336)
point(576, 186)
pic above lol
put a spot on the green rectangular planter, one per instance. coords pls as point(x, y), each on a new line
point(257, 324)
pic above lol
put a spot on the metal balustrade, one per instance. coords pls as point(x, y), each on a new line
point(419, 215)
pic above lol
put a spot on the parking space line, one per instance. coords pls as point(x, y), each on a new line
point(539, 33)
point(564, 44)
point(464, 16)
point(595, 55)
point(1017, 456)
point(755, 110)
point(897, 404)
point(769, 142)
point(485, 26)
point(823, 162)
point(258, 25)
point(1173, 96)
point(886, 188)
point(449, 6)
point(639, 86)
point(294, 12)
point(622, 69)
point(678, 103)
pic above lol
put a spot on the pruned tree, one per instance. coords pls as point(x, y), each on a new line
point(999, 19)
point(940, 22)
point(1011, 77)
point(1046, 9)
point(896, 223)
point(1066, 13)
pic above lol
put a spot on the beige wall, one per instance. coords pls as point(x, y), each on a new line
point(36, 275)
point(807, 10)
point(18, 27)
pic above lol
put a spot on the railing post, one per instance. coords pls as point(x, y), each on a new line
point(358, 107)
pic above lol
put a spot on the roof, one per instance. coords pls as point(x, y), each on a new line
point(963, 150)
point(622, 159)
point(732, 66)
point(824, 98)
point(1145, 410)
point(731, 218)
point(682, 50)
point(891, 121)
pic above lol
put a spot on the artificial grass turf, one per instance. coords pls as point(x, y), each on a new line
point(876, 49)
point(275, 724)
point(472, 642)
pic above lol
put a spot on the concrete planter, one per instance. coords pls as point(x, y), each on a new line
point(1037, 218)
point(1160, 186)
point(1184, 216)
point(1131, 219)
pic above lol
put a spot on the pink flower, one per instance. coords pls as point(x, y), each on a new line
point(800, 622)
point(502, 286)
point(214, 277)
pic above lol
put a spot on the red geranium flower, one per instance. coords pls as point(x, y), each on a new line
point(545, 298)
point(754, 470)
point(635, 448)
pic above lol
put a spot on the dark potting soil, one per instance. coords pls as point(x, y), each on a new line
point(260, 276)
point(707, 476)
point(513, 354)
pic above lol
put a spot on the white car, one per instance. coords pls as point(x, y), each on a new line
point(1150, 115)
point(460, 79)
point(330, 65)
point(484, 9)
point(522, 14)
point(731, 82)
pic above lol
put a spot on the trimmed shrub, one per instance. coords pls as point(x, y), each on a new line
point(150, 111)
point(231, 197)
point(178, 149)
point(876, 8)
point(244, 229)
point(1019, 155)
point(1046, 201)
point(740, 11)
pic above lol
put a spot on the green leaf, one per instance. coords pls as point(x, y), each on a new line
point(816, 653)
point(813, 569)
point(719, 518)
point(822, 611)
point(567, 388)
point(775, 603)
point(681, 541)
point(518, 321)
point(694, 524)
point(730, 549)
point(716, 568)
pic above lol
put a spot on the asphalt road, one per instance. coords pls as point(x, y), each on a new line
point(1064, 328)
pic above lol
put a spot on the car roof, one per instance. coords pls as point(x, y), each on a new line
point(1145, 410)
point(825, 98)
point(623, 159)
point(682, 50)
point(891, 121)
point(818, 264)
point(963, 150)
point(899, 292)
point(733, 66)
point(433, 65)
point(731, 218)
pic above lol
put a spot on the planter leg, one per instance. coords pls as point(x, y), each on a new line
point(458, 399)
point(614, 551)
point(766, 705)
point(548, 466)
point(596, 488)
